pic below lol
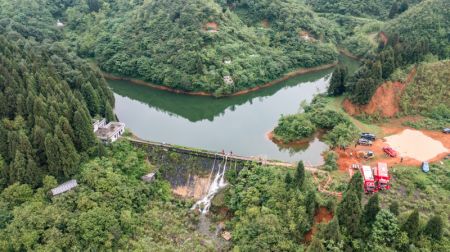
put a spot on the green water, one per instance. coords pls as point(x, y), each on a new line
point(238, 124)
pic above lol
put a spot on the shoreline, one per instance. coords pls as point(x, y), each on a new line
point(347, 53)
point(285, 77)
point(306, 140)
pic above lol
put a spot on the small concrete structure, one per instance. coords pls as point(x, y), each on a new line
point(227, 61)
point(64, 187)
point(98, 124)
point(149, 177)
point(110, 132)
point(228, 80)
point(59, 24)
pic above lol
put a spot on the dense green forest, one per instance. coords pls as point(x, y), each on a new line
point(273, 209)
point(111, 209)
point(47, 98)
point(379, 9)
point(49, 95)
point(192, 45)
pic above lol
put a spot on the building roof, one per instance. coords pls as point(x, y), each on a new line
point(64, 187)
point(109, 130)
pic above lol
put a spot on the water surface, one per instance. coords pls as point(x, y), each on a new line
point(238, 124)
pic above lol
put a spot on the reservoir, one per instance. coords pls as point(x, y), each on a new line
point(238, 124)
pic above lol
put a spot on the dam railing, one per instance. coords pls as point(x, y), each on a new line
point(206, 153)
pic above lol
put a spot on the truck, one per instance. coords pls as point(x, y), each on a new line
point(363, 141)
point(389, 151)
point(382, 178)
point(369, 180)
point(366, 154)
point(368, 136)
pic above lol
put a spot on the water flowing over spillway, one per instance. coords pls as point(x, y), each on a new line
point(215, 186)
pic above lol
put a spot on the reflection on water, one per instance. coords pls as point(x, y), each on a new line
point(237, 124)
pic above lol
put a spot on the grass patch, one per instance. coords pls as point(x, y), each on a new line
point(334, 103)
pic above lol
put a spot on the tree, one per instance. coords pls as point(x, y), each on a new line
point(411, 226)
point(342, 135)
point(94, 5)
point(434, 227)
point(84, 136)
point(311, 204)
point(349, 213)
point(331, 161)
point(288, 180)
point(91, 98)
point(338, 79)
point(316, 246)
point(294, 127)
point(385, 228)
point(393, 208)
point(109, 113)
point(331, 231)
point(394, 10)
point(371, 210)
point(356, 185)
point(299, 175)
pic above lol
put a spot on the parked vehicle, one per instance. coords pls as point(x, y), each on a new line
point(369, 181)
point(446, 130)
point(368, 136)
point(363, 141)
point(389, 151)
point(425, 167)
point(365, 154)
point(382, 177)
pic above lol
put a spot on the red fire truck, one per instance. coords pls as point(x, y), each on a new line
point(369, 181)
point(382, 176)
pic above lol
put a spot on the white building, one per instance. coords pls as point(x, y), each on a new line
point(64, 187)
point(228, 80)
point(110, 132)
point(99, 124)
point(149, 177)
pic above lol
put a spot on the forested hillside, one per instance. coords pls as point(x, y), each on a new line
point(193, 45)
point(380, 9)
point(419, 33)
point(110, 210)
point(47, 97)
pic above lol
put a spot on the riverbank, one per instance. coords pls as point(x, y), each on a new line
point(285, 77)
point(347, 53)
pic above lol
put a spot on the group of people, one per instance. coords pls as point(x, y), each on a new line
point(223, 152)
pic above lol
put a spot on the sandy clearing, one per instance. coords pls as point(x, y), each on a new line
point(415, 144)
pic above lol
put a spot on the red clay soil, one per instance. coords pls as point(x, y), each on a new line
point(211, 27)
point(346, 159)
point(384, 102)
point(382, 36)
point(321, 216)
point(287, 76)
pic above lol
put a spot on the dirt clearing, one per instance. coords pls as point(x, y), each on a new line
point(414, 144)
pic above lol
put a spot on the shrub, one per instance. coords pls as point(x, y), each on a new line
point(294, 127)
point(331, 161)
point(341, 135)
point(327, 119)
